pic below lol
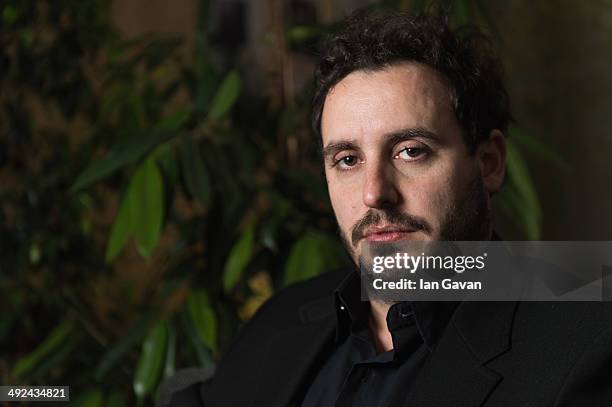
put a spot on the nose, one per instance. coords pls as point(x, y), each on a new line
point(379, 188)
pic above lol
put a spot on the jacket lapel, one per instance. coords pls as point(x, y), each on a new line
point(456, 374)
point(292, 355)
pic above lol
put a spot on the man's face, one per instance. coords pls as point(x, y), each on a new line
point(396, 163)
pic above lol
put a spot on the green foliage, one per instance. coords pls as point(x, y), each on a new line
point(226, 96)
point(108, 141)
point(238, 258)
point(151, 363)
point(88, 398)
point(121, 230)
point(56, 343)
point(197, 180)
point(197, 336)
point(524, 199)
point(312, 254)
point(141, 212)
point(531, 144)
point(132, 337)
point(170, 361)
point(203, 318)
point(119, 157)
point(146, 200)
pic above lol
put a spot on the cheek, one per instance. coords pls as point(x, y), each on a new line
point(431, 196)
point(345, 199)
point(427, 197)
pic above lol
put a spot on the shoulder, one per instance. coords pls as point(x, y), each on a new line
point(572, 318)
point(299, 301)
point(575, 339)
point(552, 351)
point(555, 335)
point(285, 310)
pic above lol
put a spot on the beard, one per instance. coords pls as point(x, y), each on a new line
point(467, 218)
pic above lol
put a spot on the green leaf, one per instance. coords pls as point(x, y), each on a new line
point(202, 352)
point(195, 173)
point(238, 258)
point(120, 349)
point(271, 226)
point(203, 317)
point(159, 50)
point(418, 6)
point(151, 362)
point(47, 348)
point(116, 399)
point(145, 200)
point(520, 179)
point(534, 145)
point(55, 358)
point(173, 122)
point(226, 95)
point(120, 232)
point(509, 204)
point(461, 12)
point(90, 398)
point(117, 158)
point(169, 364)
point(310, 255)
point(301, 33)
point(207, 80)
point(168, 163)
point(305, 259)
point(9, 15)
point(268, 235)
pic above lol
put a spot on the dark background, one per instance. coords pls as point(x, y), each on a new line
point(557, 58)
point(159, 181)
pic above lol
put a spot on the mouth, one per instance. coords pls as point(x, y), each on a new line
point(388, 234)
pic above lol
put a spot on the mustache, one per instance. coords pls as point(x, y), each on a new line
point(394, 218)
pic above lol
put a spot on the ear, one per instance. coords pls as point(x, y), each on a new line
point(491, 156)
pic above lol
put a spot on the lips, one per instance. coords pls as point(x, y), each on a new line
point(386, 234)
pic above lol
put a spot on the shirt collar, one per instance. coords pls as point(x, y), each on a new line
point(353, 313)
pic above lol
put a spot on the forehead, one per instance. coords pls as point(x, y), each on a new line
point(402, 96)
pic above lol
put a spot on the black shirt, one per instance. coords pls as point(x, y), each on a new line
point(355, 375)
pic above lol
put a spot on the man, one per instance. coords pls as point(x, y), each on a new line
point(411, 117)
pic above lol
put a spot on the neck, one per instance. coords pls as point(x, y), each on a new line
point(378, 325)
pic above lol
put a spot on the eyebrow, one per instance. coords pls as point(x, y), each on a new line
point(391, 138)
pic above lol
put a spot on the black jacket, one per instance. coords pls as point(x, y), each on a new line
point(491, 354)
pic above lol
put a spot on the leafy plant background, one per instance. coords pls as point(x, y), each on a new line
point(150, 204)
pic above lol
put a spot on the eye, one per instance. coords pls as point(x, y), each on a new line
point(411, 153)
point(346, 162)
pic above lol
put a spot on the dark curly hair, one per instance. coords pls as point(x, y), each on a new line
point(374, 40)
